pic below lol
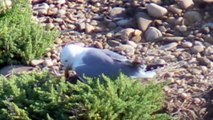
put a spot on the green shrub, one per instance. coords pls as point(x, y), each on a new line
point(39, 96)
point(21, 39)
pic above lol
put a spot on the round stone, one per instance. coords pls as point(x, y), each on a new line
point(152, 33)
point(156, 10)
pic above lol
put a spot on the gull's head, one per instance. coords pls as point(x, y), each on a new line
point(69, 53)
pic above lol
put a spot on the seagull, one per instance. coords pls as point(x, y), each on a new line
point(93, 62)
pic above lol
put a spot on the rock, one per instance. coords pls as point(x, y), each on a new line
point(182, 28)
point(113, 43)
point(36, 62)
point(89, 28)
point(16, 69)
point(170, 39)
point(133, 44)
point(60, 1)
point(111, 25)
point(117, 12)
point(156, 10)
point(61, 13)
point(156, 1)
point(127, 33)
point(48, 62)
point(43, 9)
point(192, 17)
point(204, 61)
point(209, 50)
point(169, 46)
point(198, 47)
point(160, 61)
point(52, 11)
point(136, 38)
point(185, 3)
point(143, 21)
point(152, 33)
point(175, 9)
point(82, 26)
point(209, 39)
point(123, 22)
point(128, 49)
point(187, 44)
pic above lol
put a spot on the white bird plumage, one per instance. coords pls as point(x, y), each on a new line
point(73, 57)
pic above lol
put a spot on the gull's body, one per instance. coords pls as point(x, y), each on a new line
point(93, 62)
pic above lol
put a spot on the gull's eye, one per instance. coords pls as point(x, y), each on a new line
point(66, 61)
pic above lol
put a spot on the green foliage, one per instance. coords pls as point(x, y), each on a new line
point(21, 39)
point(39, 96)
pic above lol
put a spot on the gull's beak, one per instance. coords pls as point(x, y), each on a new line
point(67, 73)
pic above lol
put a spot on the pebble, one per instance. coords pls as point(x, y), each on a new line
point(61, 13)
point(185, 3)
point(136, 38)
point(123, 22)
point(43, 9)
point(89, 28)
point(170, 39)
point(160, 61)
point(60, 1)
point(48, 62)
point(175, 9)
point(187, 44)
point(133, 44)
point(152, 33)
point(128, 49)
point(143, 21)
point(198, 47)
point(113, 43)
point(82, 25)
point(192, 17)
point(117, 12)
point(182, 28)
point(169, 46)
point(36, 62)
point(156, 10)
point(52, 11)
point(50, 26)
point(14, 69)
point(204, 61)
point(126, 33)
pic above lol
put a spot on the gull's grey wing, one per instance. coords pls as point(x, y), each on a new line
point(115, 55)
point(97, 62)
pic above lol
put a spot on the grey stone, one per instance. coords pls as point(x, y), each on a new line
point(175, 9)
point(128, 49)
point(187, 44)
point(117, 12)
point(198, 47)
point(16, 69)
point(185, 3)
point(169, 46)
point(152, 33)
point(143, 21)
point(170, 39)
point(36, 62)
point(192, 17)
point(156, 10)
point(204, 61)
point(113, 43)
point(48, 62)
